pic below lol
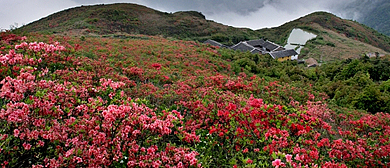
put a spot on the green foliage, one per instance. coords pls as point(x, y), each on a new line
point(115, 15)
point(370, 99)
point(353, 83)
point(92, 20)
point(219, 37)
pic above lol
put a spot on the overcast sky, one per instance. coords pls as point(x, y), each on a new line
point(254, 14)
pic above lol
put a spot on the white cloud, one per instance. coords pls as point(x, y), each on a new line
point(271, 15)
point(24, 12)
point(266, 17)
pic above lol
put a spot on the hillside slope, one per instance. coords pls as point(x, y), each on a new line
point(337, 38)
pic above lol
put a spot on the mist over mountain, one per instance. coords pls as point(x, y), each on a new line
point(373, 13)
point(378, 17)
point(356, 9)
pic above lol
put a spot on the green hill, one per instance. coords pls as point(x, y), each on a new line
point(133, 19)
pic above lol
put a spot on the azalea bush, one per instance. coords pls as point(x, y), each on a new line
point(153, 102)
point(52, 123)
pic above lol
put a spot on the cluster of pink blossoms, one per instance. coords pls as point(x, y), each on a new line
point(14, 57)
point(48, 48)
point(80, 129)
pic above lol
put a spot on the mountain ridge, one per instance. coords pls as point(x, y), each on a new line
point(129, 18)
point(192, 25)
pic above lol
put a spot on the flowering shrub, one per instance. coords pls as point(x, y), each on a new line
point(50, 123)
point(161, 103)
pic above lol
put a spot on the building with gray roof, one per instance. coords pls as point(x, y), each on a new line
point(256, 43)
point(283, 53)
point(242, 46)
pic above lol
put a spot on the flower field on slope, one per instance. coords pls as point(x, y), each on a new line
point(153, 102)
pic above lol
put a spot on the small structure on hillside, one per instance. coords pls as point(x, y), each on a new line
point(311, 62)
point(283, 55)
point(259, 46)
point(244, 46)
point(256, 43)
point(376, 54)
point(257, 51)
point(270, 46)
point(214, 43)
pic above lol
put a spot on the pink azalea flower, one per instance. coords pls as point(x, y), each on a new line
point(16, 132)
point(277, 163)
point(26, 146)
point(288, 158)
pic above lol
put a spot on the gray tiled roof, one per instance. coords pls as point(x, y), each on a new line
point(242, 46)
point(257, 51)
point(270, 46)
point(259, 46)
point(213, 43)
point(256, 43)
point(283, 53)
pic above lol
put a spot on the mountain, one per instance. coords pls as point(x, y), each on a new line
point(133, 19)
point(337, 38)
point(378, 18)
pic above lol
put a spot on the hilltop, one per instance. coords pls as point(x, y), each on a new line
point(337, 38)
point(133, 19)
